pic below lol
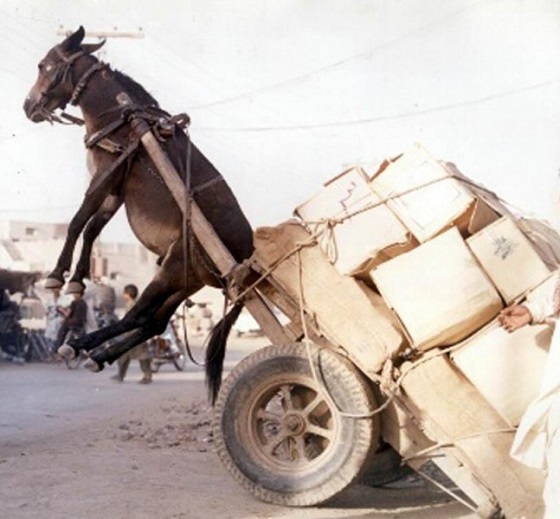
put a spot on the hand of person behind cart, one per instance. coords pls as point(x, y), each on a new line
point(514, 317)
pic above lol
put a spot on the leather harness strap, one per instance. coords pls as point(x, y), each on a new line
point(100, 180)
point(162, 126)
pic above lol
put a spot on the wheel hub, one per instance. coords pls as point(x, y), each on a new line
point(293, 424)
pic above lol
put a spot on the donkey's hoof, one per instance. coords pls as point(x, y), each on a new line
point(92, 366)
point(67, 352)
point(52, 283)
point(75, 287)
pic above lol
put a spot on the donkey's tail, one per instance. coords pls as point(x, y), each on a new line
point(216, 351)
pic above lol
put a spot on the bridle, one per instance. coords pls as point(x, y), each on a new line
point(58, 75)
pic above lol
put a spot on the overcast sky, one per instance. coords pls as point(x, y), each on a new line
point(283, 95)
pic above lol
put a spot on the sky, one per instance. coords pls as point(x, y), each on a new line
point(285, 94)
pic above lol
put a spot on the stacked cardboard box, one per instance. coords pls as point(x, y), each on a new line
point(429, 197)
point(506, 367)
point(382, 228)
point(439, 257)
point(509, 368)
point(438, 291)
point(355, 228)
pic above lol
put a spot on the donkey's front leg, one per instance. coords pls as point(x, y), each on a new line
point(89, 207)
point(94, 227)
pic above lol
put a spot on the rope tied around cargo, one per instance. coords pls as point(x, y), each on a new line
point(324, 228)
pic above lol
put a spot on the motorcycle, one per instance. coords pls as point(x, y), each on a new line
point(168, 348)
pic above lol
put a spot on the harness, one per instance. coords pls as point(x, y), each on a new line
point(162, 125)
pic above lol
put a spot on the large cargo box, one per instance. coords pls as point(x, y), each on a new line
point(508, 258)
point(438, 291)
point(506, 368)
point(428, 197)
point(356, 230)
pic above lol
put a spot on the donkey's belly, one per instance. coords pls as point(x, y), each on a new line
point(156, 225)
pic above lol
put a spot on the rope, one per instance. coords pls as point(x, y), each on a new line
point(450, 443)
point(307, 343)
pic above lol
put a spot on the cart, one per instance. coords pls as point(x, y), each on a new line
point(299, 421)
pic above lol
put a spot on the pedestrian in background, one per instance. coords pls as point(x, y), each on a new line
point(140, 352)
point(75, 319)
point(54, 317)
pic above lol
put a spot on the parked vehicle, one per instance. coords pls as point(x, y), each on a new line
point(168, 348)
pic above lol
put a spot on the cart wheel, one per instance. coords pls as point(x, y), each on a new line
point(279, 434)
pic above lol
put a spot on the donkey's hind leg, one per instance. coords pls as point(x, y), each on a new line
point(168, 280)
point(94, 227)
point(155, 326)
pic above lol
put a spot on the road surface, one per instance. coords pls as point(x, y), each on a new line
point(79, 445)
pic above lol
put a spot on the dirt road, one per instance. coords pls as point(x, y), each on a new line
point(79, 445)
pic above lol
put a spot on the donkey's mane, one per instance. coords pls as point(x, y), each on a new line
point(136, 89)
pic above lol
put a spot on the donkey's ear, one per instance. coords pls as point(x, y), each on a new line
point(72, 42)
point(90, 48)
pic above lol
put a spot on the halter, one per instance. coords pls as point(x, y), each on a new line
point(62, 74)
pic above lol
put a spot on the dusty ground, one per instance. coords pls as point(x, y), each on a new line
point(78, 445)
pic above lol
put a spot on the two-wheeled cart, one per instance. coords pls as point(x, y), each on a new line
point(299, 421)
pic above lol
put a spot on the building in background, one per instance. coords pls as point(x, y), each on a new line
point(35, 246)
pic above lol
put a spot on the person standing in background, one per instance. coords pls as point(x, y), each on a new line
point(54, 317)
point(75, 319)
point(140, 352)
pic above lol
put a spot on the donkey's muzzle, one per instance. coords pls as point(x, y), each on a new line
point(33, 111)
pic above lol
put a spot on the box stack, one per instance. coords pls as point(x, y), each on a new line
point(446, 256)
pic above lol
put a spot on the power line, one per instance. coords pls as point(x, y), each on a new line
point(321, 70)
point(391, 117)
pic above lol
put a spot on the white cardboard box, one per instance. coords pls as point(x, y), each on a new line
point(356, 230)
point(508, 258)
point(438, 291)
point(427, 198)
point(506, 368)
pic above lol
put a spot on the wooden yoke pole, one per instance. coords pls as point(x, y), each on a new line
point(202, 228)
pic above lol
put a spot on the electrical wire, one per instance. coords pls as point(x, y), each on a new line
point(327, 68)
point(392, 117)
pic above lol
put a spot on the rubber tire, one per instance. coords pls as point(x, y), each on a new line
point(331, 471)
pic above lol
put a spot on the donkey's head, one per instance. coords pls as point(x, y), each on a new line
point(57, 80)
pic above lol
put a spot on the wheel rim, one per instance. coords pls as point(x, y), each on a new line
point(293, 427)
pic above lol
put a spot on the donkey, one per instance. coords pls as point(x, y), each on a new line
point(122, 173)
